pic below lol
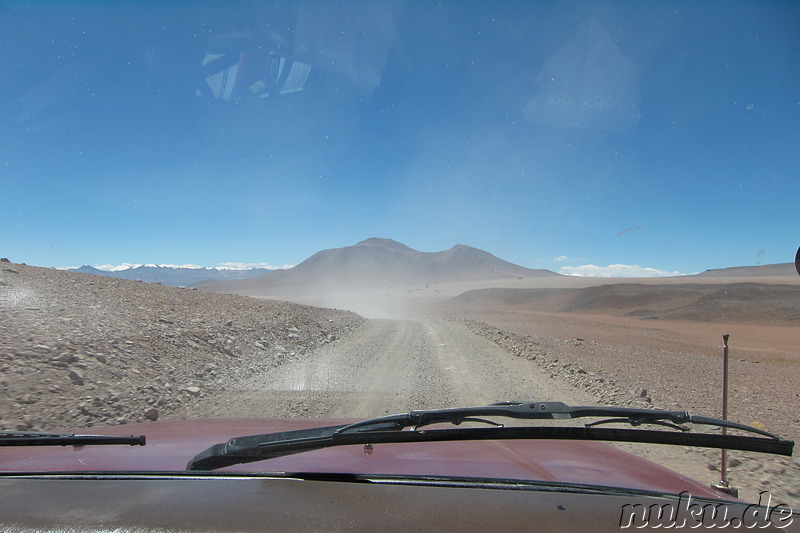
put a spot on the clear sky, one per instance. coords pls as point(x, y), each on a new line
point(554, 135)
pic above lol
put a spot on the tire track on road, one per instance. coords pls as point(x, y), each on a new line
point(391, 366)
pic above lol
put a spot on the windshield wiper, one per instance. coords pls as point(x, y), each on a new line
point(390, 429)
point(33, 438)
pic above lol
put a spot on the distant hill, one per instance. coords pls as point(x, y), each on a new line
point(779, 269)
point(712, 302)
point(384, 262)
point(174, 276)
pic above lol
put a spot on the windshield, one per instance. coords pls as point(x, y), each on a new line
point(341, 210)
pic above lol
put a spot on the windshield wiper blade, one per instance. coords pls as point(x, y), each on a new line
point(390, 429)
point(545, 410)
point(34, 438)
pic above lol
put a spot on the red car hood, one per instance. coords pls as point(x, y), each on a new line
point(171, 444)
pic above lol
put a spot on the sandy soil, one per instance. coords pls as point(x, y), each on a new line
point(619, 360)
point(672, 365)
point(657, 363)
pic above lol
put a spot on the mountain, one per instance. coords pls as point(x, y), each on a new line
point(384, 262)
point(174, 276)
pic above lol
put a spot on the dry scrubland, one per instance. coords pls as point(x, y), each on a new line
point(78, 350)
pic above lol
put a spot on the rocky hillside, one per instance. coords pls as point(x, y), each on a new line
point(79, 350)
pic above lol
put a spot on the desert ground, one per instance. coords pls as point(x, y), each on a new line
point(671, 365)
point(625, 346)
point(82, 350)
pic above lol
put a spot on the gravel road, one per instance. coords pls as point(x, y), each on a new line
point(393, 366)
point(390, 366)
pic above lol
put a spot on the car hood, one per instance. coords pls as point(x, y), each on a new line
point(171, 444)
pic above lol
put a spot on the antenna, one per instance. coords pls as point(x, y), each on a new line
point(723, 485)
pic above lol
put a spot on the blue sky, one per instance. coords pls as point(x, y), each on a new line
point(552, 134)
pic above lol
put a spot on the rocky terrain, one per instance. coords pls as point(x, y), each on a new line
point(78, 350)
point(667, 379)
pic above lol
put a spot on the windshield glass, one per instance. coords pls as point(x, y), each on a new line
point(340, 210)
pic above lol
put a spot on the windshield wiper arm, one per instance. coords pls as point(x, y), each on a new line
point(34, 438)
point(545, 410)
point(390, 429)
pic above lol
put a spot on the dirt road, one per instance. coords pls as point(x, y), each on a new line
point(391, 366)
